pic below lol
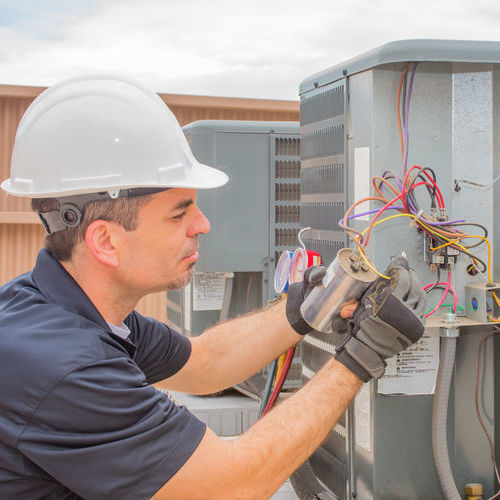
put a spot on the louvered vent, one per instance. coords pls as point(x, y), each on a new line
point(285, 155)
point(323, 200)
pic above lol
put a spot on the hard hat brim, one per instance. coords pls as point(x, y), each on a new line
point(202, 177)
point(199, 177)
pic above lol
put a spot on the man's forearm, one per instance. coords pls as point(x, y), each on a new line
point(257, 463)
point(232, 351)
point(300, 424)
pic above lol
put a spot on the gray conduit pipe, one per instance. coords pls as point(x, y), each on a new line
point(440, 417)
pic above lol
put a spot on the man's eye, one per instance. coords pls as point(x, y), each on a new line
point(180, 216)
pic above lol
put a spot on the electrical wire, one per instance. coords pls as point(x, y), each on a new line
point(431, 220)
point(489, 258)
point(478, 411)
point(438, 279)
point(281, 381)
point(281, 363)
point(269, 386)
point(447, 289)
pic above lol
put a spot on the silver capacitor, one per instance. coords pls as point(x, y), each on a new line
point(346, 279)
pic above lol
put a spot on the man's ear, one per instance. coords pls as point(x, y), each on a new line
point(100, 240)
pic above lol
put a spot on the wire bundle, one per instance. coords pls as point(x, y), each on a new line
point(270, 398)
point(399, 194)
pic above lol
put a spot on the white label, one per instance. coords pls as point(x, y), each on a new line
point(362, 414)
point(413, 371)
point(208, 291)
point(361, 180)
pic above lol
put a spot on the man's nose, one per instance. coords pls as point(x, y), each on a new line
point(200, 224)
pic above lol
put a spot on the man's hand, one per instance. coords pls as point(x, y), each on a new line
point(388, 319)
point(297, 292)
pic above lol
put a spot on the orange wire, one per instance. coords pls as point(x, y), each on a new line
point(398, 113)
point(352, 207)
point(383, 181)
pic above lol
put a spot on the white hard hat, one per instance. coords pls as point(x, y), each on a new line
point(100, 133)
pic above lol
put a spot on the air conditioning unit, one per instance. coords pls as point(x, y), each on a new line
point(382, 447)
point(254, 217)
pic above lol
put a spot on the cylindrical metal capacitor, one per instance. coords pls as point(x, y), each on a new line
point(346, 278)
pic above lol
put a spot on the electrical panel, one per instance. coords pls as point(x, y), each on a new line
point(449, 94)
point(254, 218)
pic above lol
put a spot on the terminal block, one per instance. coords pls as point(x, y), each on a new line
point(441, 258)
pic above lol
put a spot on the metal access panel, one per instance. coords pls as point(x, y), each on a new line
point(254, 217)
point(381, 449)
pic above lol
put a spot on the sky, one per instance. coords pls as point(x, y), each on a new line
point(257, 48)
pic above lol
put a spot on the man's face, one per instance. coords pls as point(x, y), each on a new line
point(161, 252)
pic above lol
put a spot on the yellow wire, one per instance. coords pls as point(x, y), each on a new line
point(370, 265)
point(489, 258)
point(281, 363)
point(449, 242)
point(362, 253)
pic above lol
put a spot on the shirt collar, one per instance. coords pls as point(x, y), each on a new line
point(56, 283)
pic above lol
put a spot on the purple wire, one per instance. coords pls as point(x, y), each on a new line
point(407, 113)
point(369, 212)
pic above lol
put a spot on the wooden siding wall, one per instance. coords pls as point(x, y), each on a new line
point(21, 235)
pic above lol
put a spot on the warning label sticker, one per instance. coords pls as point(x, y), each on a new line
point(208, 291)
point(413, 371)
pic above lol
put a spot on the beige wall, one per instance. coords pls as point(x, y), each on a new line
point(21, 236)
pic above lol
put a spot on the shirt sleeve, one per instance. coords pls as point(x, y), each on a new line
point(104, 433)
point(161, 351)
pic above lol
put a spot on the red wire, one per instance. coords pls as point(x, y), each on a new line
point(440, 199)
point(281, 380)
point(385, 207)
point(451, 290)
point(448, 284)
point(438, 191)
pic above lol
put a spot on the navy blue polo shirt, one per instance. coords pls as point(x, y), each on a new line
point(78, 416)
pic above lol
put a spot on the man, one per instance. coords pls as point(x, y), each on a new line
point(114, 183)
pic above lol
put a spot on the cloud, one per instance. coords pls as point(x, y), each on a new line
point(249, 49)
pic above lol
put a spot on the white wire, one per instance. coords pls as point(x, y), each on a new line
point(299, 237)
point(476, 185)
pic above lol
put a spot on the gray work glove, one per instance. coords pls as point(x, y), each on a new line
point(388, 319)
point(296, 294)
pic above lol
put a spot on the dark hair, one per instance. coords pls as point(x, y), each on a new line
point(123, 211)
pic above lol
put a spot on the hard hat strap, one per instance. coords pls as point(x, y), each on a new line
point(70, 211)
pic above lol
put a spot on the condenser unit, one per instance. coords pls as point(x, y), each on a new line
point(382, 447)
point(254, 218)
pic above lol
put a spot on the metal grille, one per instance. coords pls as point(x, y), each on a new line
point(287, 192)
point(322, 215)
point(286, 146)
point(287, 169)
point(323, 179)
point(287, 214)
point(323, 142)
point(331, 471)
point(286, 179)
point(322, 106)
point(323, 201)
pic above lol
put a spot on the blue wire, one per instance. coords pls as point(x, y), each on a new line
point(273, 368)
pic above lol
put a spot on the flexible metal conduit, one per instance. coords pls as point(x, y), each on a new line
point(440, 417)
